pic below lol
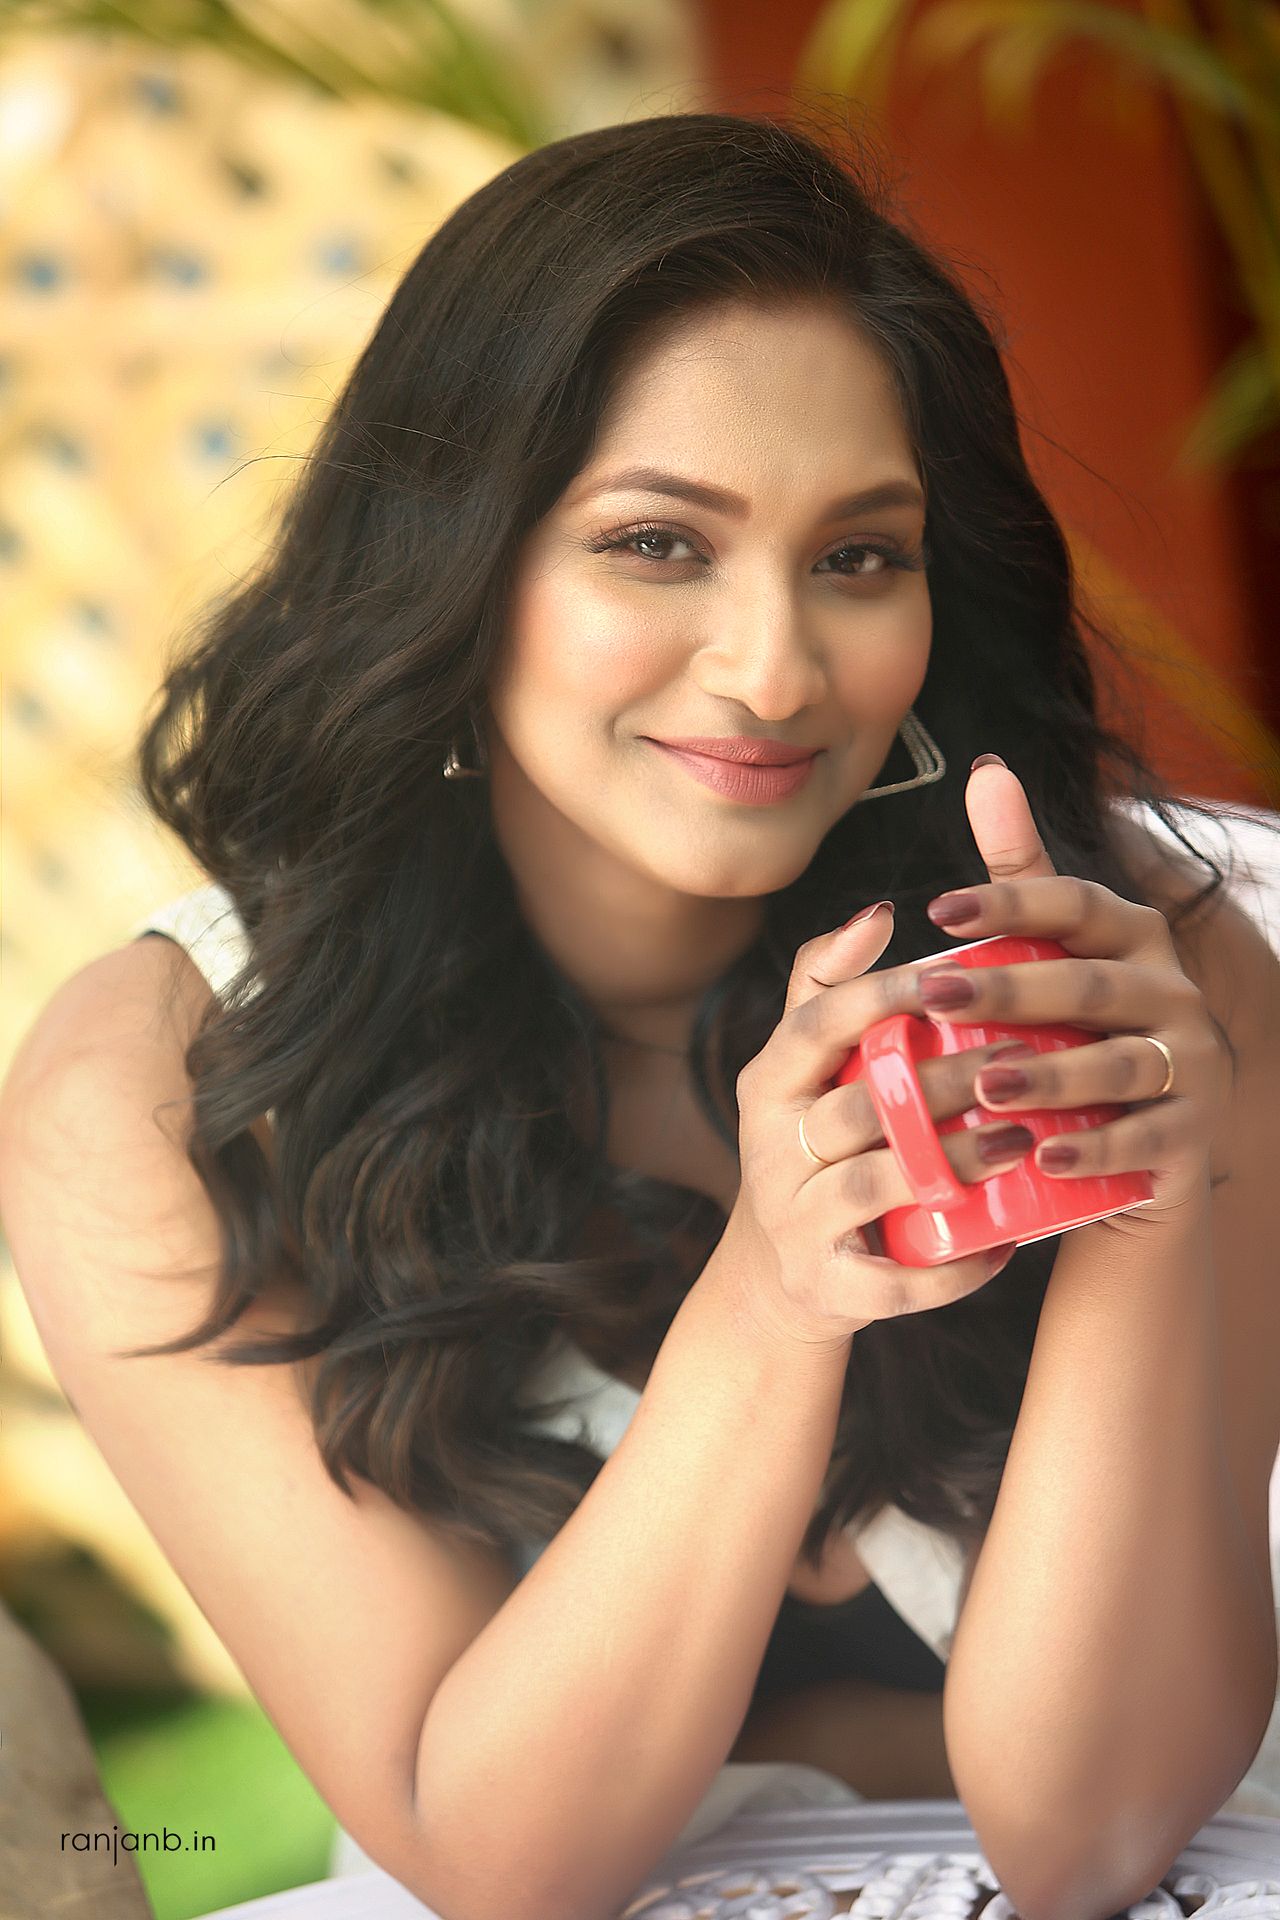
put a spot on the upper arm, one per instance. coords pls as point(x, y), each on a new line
point(343, 1615)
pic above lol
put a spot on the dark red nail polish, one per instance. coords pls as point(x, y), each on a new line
point(1003, 1142)
point(1057, 1156)
point(952, 910)
point(988, 760)
point(1002, 1083)
point(944, 988)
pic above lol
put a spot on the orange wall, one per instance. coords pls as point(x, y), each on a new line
point(1098, 254)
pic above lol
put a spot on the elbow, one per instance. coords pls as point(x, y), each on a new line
point(1095, 1891)
point(1073, 1853)
point(448, 1899)
point(444, 1895)
point(1140, 1842)
point(1120, 1863)
point(1064, 1862)
point(476, 1883)
point(470, 1892)
point(453, 1886)
point(1097, 1895)
point(487, 1892)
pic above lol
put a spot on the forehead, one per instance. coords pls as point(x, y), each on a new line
point(754, 398)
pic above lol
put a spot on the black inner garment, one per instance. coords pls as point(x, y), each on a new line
point(864, 1637)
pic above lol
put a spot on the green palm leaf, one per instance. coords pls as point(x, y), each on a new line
point(848, 43)
point(1223, 78)
point(418, 51)
point(1192, 67)
point(1243, 403)
point(851, 46)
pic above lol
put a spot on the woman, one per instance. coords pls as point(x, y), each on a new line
point(514, 1092)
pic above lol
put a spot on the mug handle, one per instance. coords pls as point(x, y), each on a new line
point(889, 1069)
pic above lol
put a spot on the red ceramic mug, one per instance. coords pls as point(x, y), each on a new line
point(951, 1218)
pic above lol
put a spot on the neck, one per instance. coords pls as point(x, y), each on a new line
point(641, 952)
point(647, 1046)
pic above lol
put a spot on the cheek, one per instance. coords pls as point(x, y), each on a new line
point(884, 660)
point(568, 644)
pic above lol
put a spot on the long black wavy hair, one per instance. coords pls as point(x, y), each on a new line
point(421, 1053)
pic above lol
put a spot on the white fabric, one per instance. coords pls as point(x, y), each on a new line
point(917, 1568)
point(1251, 845)
point(206, 923)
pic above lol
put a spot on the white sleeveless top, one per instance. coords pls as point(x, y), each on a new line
point(917, 1568)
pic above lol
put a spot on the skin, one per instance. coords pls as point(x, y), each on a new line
point(642, 884)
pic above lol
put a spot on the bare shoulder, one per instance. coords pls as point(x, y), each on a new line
point(125, 1019)
point(148, 992)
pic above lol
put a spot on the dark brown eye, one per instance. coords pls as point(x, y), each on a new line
point(629, 541)
point(884, 556)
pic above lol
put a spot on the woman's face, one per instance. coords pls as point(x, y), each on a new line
point(776, 614)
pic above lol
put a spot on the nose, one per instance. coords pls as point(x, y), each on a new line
point(763, 658)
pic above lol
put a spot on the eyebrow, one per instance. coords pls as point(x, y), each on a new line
point(887, 493)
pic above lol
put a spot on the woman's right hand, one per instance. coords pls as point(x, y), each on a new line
point(803, 1267)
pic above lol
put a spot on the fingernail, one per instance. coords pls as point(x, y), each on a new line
point(953, 909)
point(867, 913)
point(1057, 1156)
point(998, 1257)
point(1001, 1083)
point(1004, 1142)
point(1008, 1049)
point(945, 988)
point(988, 760)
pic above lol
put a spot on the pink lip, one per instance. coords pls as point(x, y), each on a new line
point(753, 785)
point(742, 748)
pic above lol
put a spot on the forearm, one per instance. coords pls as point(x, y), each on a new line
point(1108, 1671)
point(572, 1740)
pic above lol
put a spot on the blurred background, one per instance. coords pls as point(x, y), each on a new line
point(204, 208)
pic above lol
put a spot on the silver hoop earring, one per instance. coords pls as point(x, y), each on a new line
point(453, 768)
point(924, 750)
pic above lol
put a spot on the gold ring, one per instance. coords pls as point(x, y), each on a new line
point(1168, 1065)
point(818, 1161)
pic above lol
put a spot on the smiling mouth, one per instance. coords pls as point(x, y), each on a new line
point(746, 782)
point(739, 752)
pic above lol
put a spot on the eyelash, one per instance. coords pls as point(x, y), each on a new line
point(896, 557)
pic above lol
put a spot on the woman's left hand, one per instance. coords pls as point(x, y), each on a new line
point(1127, 981)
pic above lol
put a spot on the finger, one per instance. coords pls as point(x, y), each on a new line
point(977, 1152)
point(1082, 915)
point(1004, 825)
point(844, 954)
point(1120, 1069)
point(845, 1121)
point(1147, 1141)
point(890, 1290)
point(806, 1052)
point(864, 1186)
point(1109, 994)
